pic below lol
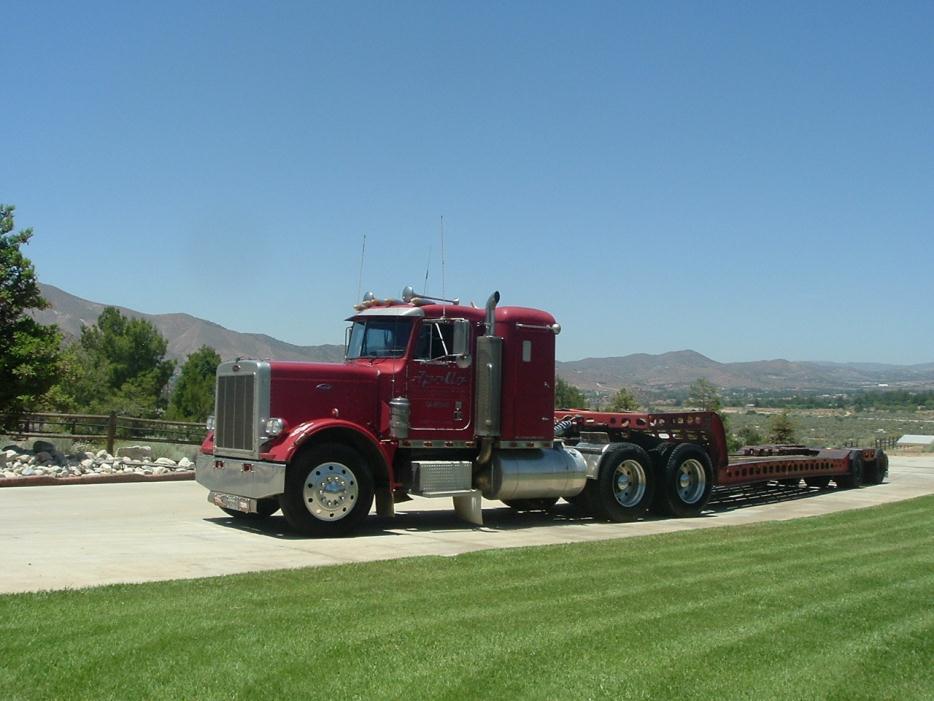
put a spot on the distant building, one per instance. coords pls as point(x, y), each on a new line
point(910, 441)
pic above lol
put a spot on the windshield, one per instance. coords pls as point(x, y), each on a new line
point(379, 338)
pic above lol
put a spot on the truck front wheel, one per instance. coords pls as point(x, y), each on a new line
point(623, 490)
point(685, 481)
point(328, 491)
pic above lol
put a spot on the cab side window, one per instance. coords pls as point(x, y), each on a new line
point(435, 341)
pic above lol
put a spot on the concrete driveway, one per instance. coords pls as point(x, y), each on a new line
point(85, 535)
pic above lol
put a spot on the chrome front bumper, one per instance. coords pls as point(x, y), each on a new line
point(245, 478)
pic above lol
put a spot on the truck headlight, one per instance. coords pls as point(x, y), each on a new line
point(209, 424)
point(274, 427)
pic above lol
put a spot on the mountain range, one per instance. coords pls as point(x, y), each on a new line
point(663, 372)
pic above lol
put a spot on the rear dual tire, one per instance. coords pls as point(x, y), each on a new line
point(624, 488)
point(685, 481)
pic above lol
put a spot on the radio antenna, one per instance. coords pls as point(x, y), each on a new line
point(360, 280)
point(442, 257)
point(427, 268)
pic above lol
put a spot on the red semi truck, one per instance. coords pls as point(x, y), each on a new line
point(437, 399)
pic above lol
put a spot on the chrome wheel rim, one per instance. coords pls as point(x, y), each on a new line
point(691, 481)
point(629, 483)
point(330, 491)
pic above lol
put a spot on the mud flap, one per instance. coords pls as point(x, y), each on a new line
point(385, 506)
point(468, 508)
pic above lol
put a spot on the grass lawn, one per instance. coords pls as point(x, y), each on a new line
point(838, 606)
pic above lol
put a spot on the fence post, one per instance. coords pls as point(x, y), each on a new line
point(111, 431)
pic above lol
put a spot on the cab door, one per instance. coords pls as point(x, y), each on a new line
point(439, 384)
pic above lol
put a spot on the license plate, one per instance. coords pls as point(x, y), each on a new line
point(232, 501)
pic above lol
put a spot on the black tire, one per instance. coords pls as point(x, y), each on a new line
point(539, 504)
point(877, 470)
point(660, 453)
point(625, 485)
point(328, 491)
point(855, 476)
point(819, 482)
point(264, 509)
point(685, 482)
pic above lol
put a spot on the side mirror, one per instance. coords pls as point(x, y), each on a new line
point(461, 343)
point(347, 339)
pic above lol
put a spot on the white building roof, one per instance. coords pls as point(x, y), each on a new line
point(915, 440)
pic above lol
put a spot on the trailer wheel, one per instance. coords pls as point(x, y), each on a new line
point(540, 504)
point(328, 491)
point(264, 509)
point(686, 482)
point(855, 477)
point(878, 469)
point(625, 486)
point(819, 482)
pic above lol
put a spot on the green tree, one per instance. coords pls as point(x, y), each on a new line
point(119, 365)
point(782, 429)
point(29, 351)
point(748, 435)
point(568, 396)
point(193, 396)
point(704, 395)
point(624, 400)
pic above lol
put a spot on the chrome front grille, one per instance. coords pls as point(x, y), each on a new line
point(236, 419)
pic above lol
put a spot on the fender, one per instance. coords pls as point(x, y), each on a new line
point(285, 450)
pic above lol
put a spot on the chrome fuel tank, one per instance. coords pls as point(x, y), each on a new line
point(530, 474)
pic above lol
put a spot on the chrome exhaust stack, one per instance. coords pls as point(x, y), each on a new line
point(488, 399)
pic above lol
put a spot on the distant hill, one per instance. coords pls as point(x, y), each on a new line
point(667, 371)
point(678, 369)
point(184, 333)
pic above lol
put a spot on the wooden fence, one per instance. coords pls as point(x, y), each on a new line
point(107, 428)
point(883, 443)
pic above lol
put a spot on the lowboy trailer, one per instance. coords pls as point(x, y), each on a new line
point(441, 400)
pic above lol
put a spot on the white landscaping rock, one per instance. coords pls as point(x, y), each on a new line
point(135, 452)
point(165, 461)
point(104, 455)
point(159, 470)
point(9, 474)
point(28, 471)
point(185, 463)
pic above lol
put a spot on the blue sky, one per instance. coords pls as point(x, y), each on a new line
point(750, 180)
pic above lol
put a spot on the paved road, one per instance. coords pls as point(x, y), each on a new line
point(84, 535)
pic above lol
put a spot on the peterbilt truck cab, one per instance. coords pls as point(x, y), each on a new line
point(433, 398)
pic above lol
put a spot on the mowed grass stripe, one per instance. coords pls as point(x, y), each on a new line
point(831, 607)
